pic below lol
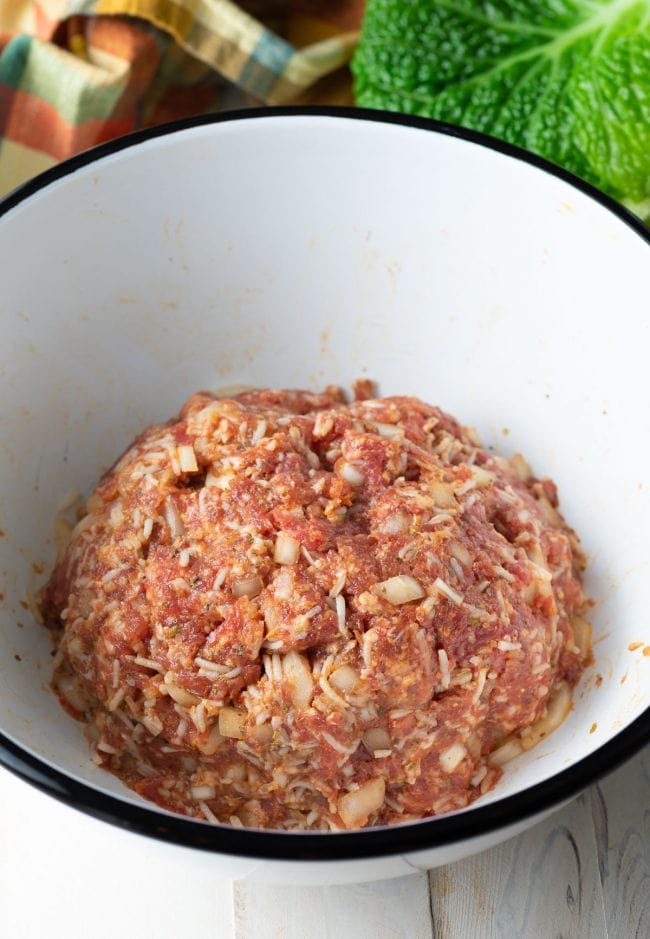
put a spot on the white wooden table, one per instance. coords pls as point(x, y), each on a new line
point(582, 874)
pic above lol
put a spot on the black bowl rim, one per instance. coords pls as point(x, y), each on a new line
point(329, 846)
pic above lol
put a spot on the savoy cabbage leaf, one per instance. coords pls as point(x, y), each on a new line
point(568, 79)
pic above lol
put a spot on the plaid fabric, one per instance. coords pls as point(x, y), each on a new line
point(74, 73)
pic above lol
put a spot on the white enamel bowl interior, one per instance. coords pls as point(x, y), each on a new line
point(304, 250)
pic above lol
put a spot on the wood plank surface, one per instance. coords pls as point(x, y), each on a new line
point(621, 812)
point(544, 883)
point(389, 909)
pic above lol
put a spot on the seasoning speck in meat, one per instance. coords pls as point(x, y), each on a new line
point(285, 611)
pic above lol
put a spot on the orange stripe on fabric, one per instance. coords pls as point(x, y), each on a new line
point(36, 124)
point(123, 40)
point(139, 49)
point(44, 24)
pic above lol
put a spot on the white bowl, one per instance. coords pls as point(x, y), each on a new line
point(299, 249)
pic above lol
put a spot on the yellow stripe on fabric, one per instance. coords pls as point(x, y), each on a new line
point(20, 16)
point(223, 36)
point(16, 16)
point(174, 17)
point(219, 53)
point(108, 62)
point(309, 65)
point(20, 163)
point(215, 31)
point(78, 46)
point(312, 63)
point(230, 22)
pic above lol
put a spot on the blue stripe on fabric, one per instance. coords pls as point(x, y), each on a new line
point(265, 65)
point(13, 60)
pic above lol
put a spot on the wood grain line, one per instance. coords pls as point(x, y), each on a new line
point(620, 806)
point(545, 884)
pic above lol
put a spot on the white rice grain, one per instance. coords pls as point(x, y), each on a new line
point(340, 614)
point(117, 699)
point(208, 813)
point(444, 588)
point(445, 674)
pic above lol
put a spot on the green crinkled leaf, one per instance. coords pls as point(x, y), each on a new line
point(568, 79)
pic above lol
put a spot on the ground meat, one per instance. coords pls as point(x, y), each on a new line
point(283, 610)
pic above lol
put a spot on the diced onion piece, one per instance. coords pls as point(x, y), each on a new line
point(231, 722)
point(248, 587)
point(557, 710)
point(259, 432)
point(262, 733)
point(251, 814)
point(460, 552)
point(442, 494)
point(344, 678)
point(462, 676)
point(174, 520)
point(400, 589)
point(452, 757)
point(209, 746)
point(388, 430)
point(482, 477)
point(283, 585)
point(187, 459)
point(116, 514)
point(230, 391)
point(350, 473)
point(551, 514)
point(376, 738)
point(287, 549)
point(297, 672)
point(507, 751)
point(236, 772)
point(179, 695)
point(541, 583)
point(357, 806)
point(70, 688)
point(581, 634)
point(218, 480)
point(473, 435)
point(473, 744)
point(394, 524)
point(520, 467)
point(203, 792)
point(76, 651)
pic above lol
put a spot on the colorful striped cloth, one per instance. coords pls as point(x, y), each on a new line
point(74, 73)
